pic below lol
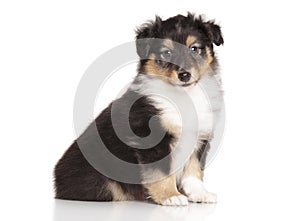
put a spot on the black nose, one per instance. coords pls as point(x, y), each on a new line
point(184, 76)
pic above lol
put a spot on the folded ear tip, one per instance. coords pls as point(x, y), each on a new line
point(214, 32)
point(220, 41)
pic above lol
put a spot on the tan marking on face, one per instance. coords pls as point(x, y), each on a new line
point(192, 168)
point(202, 69)
point(196, 72)
point(163, 189)
point(173, 75)
point(209, 56)
point(190, 40)
point(169, 44)
point(117, 192)
point(152, 68)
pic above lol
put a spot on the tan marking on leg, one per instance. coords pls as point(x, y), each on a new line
point(210, 58)
point(190, 40)
point(153, 175)
point(191, 184)
point(163, 189)
point(117, 192)
point(192, 168)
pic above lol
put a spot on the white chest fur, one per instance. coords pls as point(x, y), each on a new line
point(183, 109)
point(189, 112)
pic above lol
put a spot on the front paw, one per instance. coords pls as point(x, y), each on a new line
point(180, 200)
point(202, 197)
point(195, 191)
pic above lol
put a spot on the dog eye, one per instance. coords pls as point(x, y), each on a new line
point(195, 49)
point(166, 54)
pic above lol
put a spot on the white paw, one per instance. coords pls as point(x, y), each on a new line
point(195, 191)
point(203, 197)
point(180, 200)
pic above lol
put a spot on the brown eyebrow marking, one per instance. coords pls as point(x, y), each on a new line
point(169, 44)
point(190, 40)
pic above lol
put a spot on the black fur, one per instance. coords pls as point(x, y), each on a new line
point(76, 179)
point(202, 153)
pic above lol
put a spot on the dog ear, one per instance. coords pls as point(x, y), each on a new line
point(144, 34)
point(214, 32)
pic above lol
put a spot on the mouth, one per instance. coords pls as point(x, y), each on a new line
point(189, 84)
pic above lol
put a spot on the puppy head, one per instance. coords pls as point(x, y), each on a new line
point(179, 49)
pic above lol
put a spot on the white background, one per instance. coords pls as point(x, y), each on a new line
point(45, 48)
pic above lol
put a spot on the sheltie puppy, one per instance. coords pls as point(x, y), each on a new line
point(175, 56)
